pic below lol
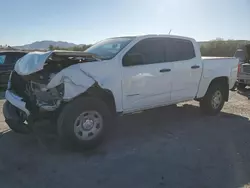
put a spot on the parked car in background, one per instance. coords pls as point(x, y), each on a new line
point(7, 63)
point(81, 91)
point(243, 77)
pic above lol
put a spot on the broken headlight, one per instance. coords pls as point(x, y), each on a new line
point(47, 99)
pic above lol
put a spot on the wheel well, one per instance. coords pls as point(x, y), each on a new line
point(104, 94)
point(223, 81)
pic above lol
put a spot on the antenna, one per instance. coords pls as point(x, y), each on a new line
point(169, 31)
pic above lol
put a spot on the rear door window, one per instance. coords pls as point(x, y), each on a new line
point(179, 50)
point(2, 59)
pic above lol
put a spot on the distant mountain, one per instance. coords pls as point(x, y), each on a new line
point(44, 45)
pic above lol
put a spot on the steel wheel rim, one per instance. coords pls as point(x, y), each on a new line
point(216, 99)
point(88, 125)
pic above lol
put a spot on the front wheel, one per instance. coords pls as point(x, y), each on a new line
point(214, 100)
point(83, 122)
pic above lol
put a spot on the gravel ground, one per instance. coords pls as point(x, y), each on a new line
point(166, 147)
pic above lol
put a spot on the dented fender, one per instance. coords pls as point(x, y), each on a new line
point(75, 81)
point(76, 78)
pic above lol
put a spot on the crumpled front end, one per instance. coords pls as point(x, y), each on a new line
point(42, 92)
point(34, 94)
point(27, 102)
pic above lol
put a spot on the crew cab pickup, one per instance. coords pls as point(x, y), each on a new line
point(83, 90)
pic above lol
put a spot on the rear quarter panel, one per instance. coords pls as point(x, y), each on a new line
point(215, 67)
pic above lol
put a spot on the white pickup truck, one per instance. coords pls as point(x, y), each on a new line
point(82, 90)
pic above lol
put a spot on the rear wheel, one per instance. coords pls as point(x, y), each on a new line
point(214, 100)
point(83, 122)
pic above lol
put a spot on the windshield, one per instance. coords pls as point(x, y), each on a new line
point(109, 48)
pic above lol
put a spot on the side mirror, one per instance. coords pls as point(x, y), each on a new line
point(132, 59)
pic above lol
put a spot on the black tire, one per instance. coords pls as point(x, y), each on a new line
point(241, 86)
point(206, 103)
point(68, 116)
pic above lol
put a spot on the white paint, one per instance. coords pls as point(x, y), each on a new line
point(214, 68)
point(185, 79)
point(145, 86)
point(74, 79)
point(142, 87)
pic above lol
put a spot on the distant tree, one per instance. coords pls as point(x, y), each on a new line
point(220, 47)
point(51, 47)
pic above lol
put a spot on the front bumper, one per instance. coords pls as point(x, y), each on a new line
point(19, 118)
point(15, 118)
point(15, 112)
point(16, 101)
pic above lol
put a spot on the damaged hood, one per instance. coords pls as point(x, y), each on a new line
point(35, 61)
point(31, 62)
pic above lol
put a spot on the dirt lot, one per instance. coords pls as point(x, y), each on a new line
point(166, 147)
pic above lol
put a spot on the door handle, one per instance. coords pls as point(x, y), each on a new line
point(195, 67)
point(165, 70)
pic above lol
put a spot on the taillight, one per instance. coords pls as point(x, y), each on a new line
point(238, 69)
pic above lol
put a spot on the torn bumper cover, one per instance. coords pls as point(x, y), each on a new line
point(15, 117)
point(16, 101)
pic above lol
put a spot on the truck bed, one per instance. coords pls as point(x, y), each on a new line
point(220, 66)
point(207, 57)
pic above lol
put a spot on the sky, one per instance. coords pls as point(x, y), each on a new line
point(88, 21)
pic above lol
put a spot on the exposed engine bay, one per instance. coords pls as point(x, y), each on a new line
point(35, 93)
point(39, 90)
